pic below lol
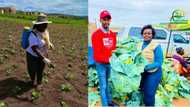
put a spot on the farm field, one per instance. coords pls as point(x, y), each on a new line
point(63, 86)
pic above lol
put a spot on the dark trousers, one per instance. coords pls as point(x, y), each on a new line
point(35, 67)
point(149, 85)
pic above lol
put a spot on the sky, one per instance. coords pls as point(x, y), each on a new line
point(137, 12)
point(70, 7)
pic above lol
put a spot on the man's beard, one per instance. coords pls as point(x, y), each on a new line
point(106, 27)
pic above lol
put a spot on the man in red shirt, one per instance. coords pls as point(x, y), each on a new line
point(103, 43)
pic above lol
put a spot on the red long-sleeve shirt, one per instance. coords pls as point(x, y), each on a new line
point(103, 43)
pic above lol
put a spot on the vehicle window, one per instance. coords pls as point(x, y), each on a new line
point(160, 34)
point(136, 31)
point(179, 39)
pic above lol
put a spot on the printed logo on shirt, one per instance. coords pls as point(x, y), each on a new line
point(108, 42)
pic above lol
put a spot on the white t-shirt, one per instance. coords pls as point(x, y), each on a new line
point(38, 41)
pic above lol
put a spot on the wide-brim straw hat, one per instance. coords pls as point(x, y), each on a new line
point(41, 19)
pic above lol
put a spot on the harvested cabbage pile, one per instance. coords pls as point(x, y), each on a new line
point(172, 86)
point(127, 65)
point(93, 97)
point(92, 77)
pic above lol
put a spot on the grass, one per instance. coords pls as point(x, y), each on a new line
point(23, 18)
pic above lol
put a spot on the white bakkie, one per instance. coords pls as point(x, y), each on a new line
point(178, 39)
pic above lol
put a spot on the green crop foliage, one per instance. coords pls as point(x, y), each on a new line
point(35, 95)
point(63, 104)
point(2, 104)
point(65, 87)
point(127, 65)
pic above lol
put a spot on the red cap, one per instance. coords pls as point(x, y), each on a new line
point(105, 13)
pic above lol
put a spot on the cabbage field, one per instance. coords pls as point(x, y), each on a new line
point(63, 86)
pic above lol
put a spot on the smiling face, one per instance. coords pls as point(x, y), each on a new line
point(105, 22)
point(147, 34)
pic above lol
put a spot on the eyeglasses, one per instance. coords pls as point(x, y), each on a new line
point(147, 33)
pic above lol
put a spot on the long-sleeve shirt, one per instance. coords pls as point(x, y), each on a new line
point(103, 42)
point(158, 56)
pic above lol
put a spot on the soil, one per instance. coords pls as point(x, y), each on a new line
point(69, 58)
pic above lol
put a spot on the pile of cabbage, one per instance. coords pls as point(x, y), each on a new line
point(127, 65)
point(93, 97)
point(172, 86)
point(92, 77)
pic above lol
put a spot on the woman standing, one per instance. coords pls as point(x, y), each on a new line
point(36, 53)
point(153, 71)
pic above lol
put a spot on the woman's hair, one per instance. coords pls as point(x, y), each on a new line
point(148, 27)
point(180, 50)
